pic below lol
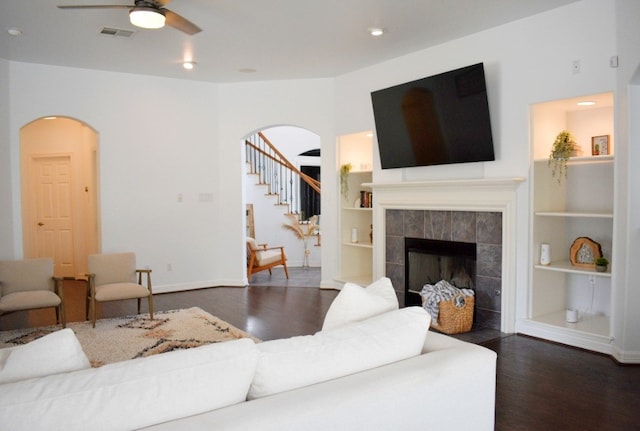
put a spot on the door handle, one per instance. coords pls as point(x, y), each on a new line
point(40, 224)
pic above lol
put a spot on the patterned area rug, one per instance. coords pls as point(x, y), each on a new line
point(130, 337)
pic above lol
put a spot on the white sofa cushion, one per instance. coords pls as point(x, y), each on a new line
point(133, 394)
point(355, 303)
point(58, 352)
point(301, 361)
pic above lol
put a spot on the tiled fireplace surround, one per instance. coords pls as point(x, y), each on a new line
point(476, 210)
point(482, 228)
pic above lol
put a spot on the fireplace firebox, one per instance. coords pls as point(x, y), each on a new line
point(429, 261)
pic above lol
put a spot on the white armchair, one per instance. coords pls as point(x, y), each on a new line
point(29, 284)
point(112, 277)
point(261, 257)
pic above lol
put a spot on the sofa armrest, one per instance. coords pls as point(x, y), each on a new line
point(436, 341)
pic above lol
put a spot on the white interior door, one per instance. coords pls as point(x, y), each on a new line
point(51, 215)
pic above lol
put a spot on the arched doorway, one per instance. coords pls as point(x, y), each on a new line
point(265, 212)
point(59, 183)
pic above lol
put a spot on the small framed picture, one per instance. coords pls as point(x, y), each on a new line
point(600, 145)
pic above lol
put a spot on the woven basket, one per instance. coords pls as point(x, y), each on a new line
point(454, 319)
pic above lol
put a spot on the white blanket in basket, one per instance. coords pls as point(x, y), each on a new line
point(432, 294)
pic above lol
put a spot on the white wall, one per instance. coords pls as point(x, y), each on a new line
point(292, 141)
point(628, 295)
point(171, 177)
point(246, 108)
point(158, 139)
point(627, 236)
point(524, 64)
point(7, 235)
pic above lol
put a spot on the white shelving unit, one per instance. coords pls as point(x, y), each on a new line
point(578, 205)
point(356, 258)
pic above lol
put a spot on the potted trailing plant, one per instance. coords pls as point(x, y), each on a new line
point(344, 177)
point(601, 264)
point(563, 147)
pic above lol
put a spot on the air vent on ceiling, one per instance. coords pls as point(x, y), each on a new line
point(116, 32)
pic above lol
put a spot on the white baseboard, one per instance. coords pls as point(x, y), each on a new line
point(626, 357)
point(330, 284)
point(167, 288)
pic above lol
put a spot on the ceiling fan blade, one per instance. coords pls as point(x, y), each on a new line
point(97, 6)
point(178, 22)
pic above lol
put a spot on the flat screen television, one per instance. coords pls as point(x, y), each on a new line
point(436, 120)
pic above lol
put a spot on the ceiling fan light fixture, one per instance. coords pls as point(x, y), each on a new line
point(146, 17)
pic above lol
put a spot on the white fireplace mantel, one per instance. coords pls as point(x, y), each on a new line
point(495, 195)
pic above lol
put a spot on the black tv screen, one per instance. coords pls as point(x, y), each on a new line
point(436, 120)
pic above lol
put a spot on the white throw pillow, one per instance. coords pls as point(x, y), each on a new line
point(355, 303)
point(55, 353)
point(301, 361)
point(133, 394)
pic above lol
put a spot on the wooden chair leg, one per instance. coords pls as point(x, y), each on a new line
point(61, 316)
point(286, 272)
point(151, 307)
point(89, 302)
point(93, 312)
point(249, 273)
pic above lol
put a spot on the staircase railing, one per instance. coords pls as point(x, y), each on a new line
point(276, 172)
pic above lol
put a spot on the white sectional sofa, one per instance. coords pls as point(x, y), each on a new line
point(386, 372)
point(449, 386)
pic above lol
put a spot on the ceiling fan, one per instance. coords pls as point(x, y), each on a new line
point(148, 14)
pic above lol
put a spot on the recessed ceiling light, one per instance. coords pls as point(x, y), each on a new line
point(189, 65)
point(376, 31)
point(14, 31)
point(586, 103)
point(247, 70)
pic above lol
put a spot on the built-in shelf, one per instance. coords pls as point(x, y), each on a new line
point(565, 266)
point(356, 209)
point(585, 159)
point(356, 258)
point(588, 323)
point(358, 244)
point(565, 208)
point(574, 214)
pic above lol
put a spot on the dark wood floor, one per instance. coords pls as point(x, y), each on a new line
point(540, 385)
point(547, 386)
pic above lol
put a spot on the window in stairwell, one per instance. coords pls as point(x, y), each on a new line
point(309, 198)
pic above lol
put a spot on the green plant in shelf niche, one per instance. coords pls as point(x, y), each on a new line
point(563, 148)
point(601, 264)
point(344, 177)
